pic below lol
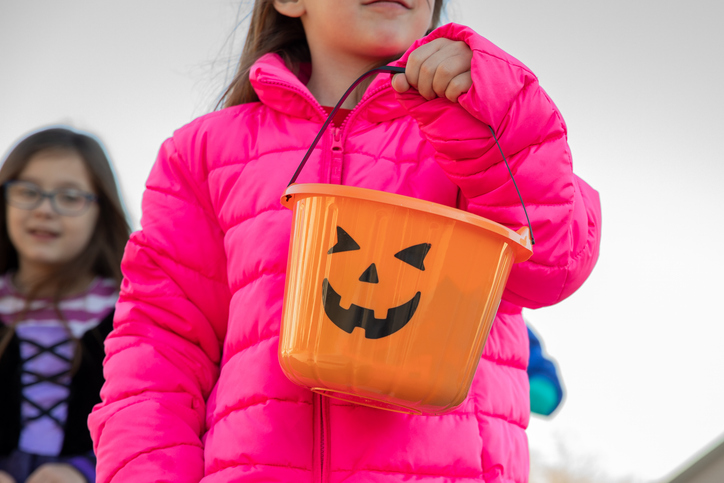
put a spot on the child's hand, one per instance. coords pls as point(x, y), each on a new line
point(6, 478)
point(440, 68)
point(56, 473)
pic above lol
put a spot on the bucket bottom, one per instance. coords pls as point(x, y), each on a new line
point(366, 401)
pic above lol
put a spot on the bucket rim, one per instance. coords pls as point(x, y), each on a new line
point(521, 241)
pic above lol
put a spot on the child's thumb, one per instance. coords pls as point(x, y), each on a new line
point(399, 83)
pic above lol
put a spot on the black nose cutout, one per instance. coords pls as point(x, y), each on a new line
point(370, 275)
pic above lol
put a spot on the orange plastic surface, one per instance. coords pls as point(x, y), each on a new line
point(401, 332)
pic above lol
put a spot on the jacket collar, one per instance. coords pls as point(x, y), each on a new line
point(279, 89)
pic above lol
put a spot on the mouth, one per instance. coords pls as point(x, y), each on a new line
point(402, 3)
point(43, 234)
point(356, 316)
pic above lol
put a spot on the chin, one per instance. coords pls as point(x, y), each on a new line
point(390, 40)
point(46, 258)
point(384, 51)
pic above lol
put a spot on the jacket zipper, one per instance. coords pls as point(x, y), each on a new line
point(337, 147)
point(322, 449)
point(337, 155)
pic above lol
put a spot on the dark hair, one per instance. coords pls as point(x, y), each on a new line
point(272, 32)
point(105, 248)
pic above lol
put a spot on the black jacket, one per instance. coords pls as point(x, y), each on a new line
point(85, 389)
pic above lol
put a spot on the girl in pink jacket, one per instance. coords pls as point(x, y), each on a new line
point(194, 389)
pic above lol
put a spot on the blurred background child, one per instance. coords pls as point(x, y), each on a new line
point(64, 230)
point(546, 392)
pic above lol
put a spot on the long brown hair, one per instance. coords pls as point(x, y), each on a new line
point(103, 254)
point(272, 32)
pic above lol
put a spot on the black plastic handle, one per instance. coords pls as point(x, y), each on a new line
point(398, 70)
point(384, 68)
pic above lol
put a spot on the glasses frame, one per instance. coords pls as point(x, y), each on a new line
point(51, 195)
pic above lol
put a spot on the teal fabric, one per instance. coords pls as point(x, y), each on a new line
point(546, 391)
point(543, 396)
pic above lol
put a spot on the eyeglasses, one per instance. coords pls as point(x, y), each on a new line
point(65, 202)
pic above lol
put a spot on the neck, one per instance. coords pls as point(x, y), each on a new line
point(331, 77)
point(31, 276)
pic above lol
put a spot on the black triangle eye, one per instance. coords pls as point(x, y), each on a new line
point(414, 255)
point(345, 243)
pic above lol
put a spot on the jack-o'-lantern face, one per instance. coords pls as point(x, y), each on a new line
point(364, 317)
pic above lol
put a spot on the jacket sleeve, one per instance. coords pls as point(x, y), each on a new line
point(564, 211)
point(163, 354)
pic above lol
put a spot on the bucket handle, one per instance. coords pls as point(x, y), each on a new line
point(397, 70)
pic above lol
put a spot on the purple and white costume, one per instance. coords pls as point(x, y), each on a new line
point(36, 372)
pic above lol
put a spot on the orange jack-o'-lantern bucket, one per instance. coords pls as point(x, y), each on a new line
point(389, 299)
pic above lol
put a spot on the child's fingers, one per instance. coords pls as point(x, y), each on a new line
point(435, 73)
point(399, 83)
point(448, 69)
point(432, 67)
point(458, 86)
point(418, 57)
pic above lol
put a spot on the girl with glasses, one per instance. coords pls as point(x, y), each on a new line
point(60, 252)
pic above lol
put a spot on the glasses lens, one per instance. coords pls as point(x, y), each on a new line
point(23, 195)
point(28, 196)
point(71, 202)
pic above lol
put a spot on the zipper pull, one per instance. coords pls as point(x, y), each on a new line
point(337, 154)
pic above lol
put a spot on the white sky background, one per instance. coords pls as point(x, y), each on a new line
point(639, 84)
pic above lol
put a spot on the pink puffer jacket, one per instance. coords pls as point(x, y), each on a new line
point(194, 390)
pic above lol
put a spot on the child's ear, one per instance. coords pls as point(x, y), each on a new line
point(290, 8)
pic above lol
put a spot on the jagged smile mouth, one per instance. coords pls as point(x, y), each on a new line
point(356, 316)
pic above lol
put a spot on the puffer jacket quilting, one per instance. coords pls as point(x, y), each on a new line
point(194, 390)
